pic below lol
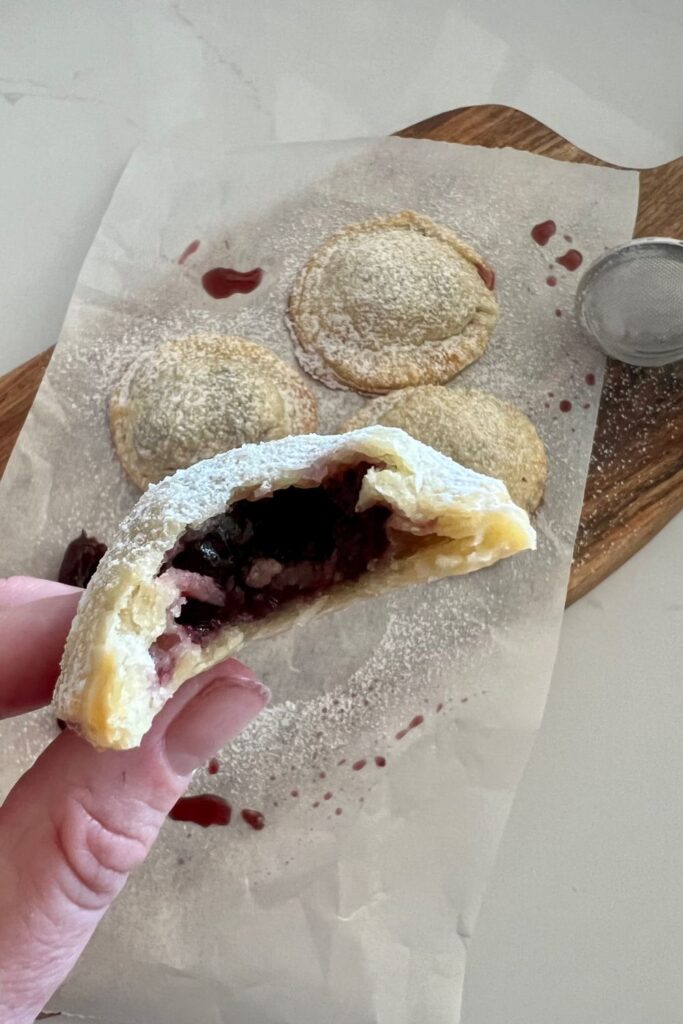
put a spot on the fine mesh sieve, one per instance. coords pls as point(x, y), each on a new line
point(630, 301)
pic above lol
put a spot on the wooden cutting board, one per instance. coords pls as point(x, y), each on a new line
point(635, 482)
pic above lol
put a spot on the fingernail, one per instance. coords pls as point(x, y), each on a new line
point(225, 706)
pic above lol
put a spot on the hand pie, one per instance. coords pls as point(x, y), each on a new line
point(191, 398)
point(473, 428)
point(241, 545)
point(389, 303)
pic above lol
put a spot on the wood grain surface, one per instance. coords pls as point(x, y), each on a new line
point(17, 391)
point(635, 482)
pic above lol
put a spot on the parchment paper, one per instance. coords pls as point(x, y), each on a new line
point(356, 906)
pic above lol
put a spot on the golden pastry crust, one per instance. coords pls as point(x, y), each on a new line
point(445, 521)
point(391, 302)
point(192, 398)
point(471, 427)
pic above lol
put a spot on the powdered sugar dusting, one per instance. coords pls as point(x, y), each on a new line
point(191, 398)
point(162, 302)
point(342, 887)
point(392, 301)
point(420, 483)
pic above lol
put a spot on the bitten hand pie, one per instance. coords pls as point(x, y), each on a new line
point(391, 302)
point(241, 545)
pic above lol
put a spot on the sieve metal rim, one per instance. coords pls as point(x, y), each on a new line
point(609, 257)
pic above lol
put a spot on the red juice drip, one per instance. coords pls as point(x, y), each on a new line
point(214, 766)
point(294, 792)
point(380, 761)
point(413, 724)
point(222, 282)
point(328, 796)
point(338, 810)
point(552, 281)
point(590, 378)
point(568, 238)
point(488, 276)
point(439, 706)
point(205, 809)
point(565, 405)
point(254, 819)
point(189, 251)
point(558, 312)
point(543, 232)
point(571, 260)
point(357, 765)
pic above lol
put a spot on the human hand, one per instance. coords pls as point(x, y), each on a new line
point(80, 820)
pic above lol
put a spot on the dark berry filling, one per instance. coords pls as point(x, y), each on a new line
point(80, 560)
point(262, 554)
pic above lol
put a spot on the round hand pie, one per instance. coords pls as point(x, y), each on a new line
point(240, 546)
point(389, 303)
point(473, 428)
point(192, 398)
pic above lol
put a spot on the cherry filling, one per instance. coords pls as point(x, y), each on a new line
point(81, 558)
point(262, 554)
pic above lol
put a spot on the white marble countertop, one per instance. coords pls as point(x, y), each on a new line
point(584, 919)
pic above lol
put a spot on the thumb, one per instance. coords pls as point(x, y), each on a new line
point(80, 820)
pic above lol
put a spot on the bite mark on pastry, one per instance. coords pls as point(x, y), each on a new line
point(242, 545)
point(264, 554)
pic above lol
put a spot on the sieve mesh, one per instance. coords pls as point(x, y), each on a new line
point(631, 302)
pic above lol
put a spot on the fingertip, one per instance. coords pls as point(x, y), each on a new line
point(106, 808)
point(239, 674)
point(32, 637)
point(214, 716)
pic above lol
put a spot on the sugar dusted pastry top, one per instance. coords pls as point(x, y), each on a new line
point(391, 302)
point(473, 428)
point(191, 398)
point(441, 520)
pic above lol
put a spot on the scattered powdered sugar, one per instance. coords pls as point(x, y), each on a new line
point(623, 458)
point(156, 301)
point(395, 680)
point(345, 686)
